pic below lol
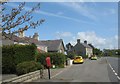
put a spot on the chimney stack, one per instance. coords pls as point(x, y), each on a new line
point(78, 40)
point(20, 33)
point(85, 42)
point(36, 36)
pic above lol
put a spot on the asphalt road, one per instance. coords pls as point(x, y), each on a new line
point(114, 67)
point(90, 71)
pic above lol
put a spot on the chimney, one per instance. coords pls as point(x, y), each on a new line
point(36, 36)
point(20, 33)
point(78, 40)
point(85, 42)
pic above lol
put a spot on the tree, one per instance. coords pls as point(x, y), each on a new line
point(16, 21)
point(97, 51)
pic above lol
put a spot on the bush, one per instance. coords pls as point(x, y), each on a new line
point(28, 66)
point(85, 56)
point(24, 53)
point(15, 54)
point(8, 64)
point(71, 55)
point(58, 59)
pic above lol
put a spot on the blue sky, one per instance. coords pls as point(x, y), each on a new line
point(96, 22)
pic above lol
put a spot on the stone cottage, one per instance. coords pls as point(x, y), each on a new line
point(82, 49)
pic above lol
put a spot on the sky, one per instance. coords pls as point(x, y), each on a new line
point(96, 22)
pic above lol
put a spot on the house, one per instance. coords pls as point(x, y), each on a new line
point(55, 45)
point(82, 49)
point(23, 40)
point(42, 46)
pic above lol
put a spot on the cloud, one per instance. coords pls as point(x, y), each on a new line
point(63, 34)
point(97, 41)
point(60, 13)
point(53, 14)
point(81, 8)
point(111, 11)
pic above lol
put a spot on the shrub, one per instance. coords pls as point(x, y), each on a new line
point(15, 54)
point(24, 53)
point(8, 64)
point(71, 55)
point(28, 66)
point(85, 56)
point(58, 59)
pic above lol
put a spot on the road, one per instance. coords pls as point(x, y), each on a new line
point(114, 67)
point(90, 71)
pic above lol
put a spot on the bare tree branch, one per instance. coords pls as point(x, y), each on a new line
point(15, 19)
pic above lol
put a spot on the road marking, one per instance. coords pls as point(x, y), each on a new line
point(118, 77)
point(112, 68)
point(116, 74)
point(113, 71)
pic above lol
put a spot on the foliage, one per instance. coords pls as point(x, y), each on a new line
point(8, 64)
point(85, 56)
point(28, 66)
point(111, 52)
point(24, 53)
point(15, 54)
point(71, 55)
point(97, 52)
point(58, 59)
point(17, 21)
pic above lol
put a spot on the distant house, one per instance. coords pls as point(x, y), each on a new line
point(82, 49)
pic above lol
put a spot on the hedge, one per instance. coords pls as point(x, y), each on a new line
point(15, 54)
point(28, 66)
point(57, 59)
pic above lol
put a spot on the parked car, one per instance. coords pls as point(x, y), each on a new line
point(94, 57)
point(78, 60)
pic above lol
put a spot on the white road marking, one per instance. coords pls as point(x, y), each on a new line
point(116, 74)
point(118, 77)
point(114, 71)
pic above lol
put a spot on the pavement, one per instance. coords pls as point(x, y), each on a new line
point(8, 76)
point(53, 71)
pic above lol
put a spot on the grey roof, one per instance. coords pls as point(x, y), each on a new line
point(25, 40)
point(7, 42)
point(85, 45)
point(53, 45)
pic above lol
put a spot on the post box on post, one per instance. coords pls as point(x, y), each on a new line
point(48, 63)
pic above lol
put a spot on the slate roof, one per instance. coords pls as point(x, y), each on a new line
point(25, 40)
point(91, 46)
point(86, 45)
point(53, 45)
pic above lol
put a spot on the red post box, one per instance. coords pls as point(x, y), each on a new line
point(48, 62)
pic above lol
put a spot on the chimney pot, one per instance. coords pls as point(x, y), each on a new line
point(20, 33)
point(85, 42)
point(36, 36)
point(78, 40)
